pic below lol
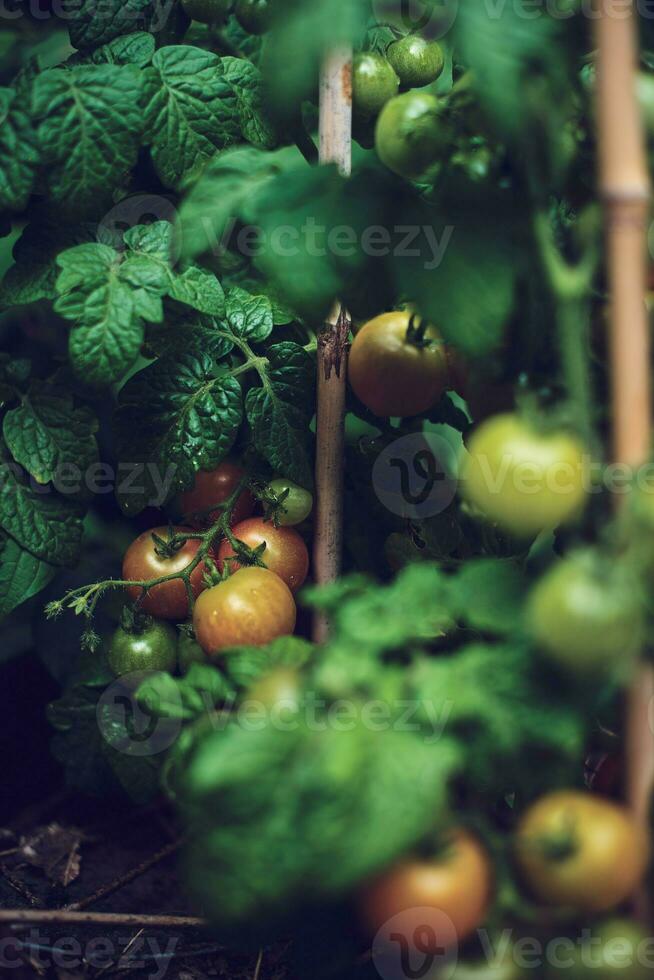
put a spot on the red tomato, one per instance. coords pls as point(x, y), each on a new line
point(214, 488)
point(250, 608)
point(286, 553)
point(142, 563)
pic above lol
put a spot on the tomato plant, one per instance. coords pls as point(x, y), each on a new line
point(417, 62)
point(295, 503)
point(151, 647)
point(580, 852)
point(255, 16)
point(585, 617)
point(155, 554)
point(212, 489)
point(524, 479)
point(397, 367)
point(374, 82)
point(251, 607)
point(284, 552)
point(410, 135)
point(458, 884)
point(207, 11)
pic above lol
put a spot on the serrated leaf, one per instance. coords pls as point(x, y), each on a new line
point(183, 332)
point(199, 289)
point(91, 23)
point(131, 49)
point(46, 524)
point(190, 111)
point(107, 296)
point(246, 81)
point(47, 433)
point(214, 203)
point(248, 316)
point(89, 131)
point(34, 273)
point(22, 575)
point(19, 156)
point(175, 417)
point(280, 413)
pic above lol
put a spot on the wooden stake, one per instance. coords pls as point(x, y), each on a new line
point(625, 192)
point(335, 147)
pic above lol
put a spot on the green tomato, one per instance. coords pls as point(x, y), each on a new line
point(373, 83)
point(525, 480)
point(297, 505)
point(410, 136)
point(255, 16)
point(152, 648)
point(416, 62)
point(585, 616)
point(207, 11)
point(617, 949)
point(189, 652)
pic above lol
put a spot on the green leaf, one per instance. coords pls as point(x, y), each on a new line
point(107, 297)
point(467, 289)
point(131, 49)
point(34, 274)
point(246, 665)
point(183, 332)
point(47, 433)
point(194, 287)
point(286, 820)
point(22, 575)
point(280, 413)
point(199, 289)
point(211, 208)
point(19, 157)
point(175, 418)
point(46, 524)
point(89, 132)
point(91, 23)
point(489, 594)
point(246, 82)
point(249, 316)
point(190, 111)
point(185, 698)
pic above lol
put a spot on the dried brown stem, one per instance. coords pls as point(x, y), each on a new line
point(335, 147)
point(67, 917)
point(126, 879)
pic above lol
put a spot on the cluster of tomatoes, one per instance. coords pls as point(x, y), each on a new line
point(404, 124)
point(525, 476)
point(573, 852)
point(242, 593)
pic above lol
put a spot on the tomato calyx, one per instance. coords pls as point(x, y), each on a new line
point(134, 621)
point(558, 846)
point(416, 332)
point(168, 547)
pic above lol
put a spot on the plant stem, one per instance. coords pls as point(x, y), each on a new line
point(126, 879)
point(65, 917)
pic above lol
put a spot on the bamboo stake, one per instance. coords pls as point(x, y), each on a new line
point(625, 193)
point(335, 147)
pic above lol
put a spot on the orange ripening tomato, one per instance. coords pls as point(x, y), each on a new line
point(211, 489)
point(286, 553)
point(250, 608)
point(457, 884)
point(142, 563)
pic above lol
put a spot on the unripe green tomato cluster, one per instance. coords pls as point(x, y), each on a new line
point(409, 134)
